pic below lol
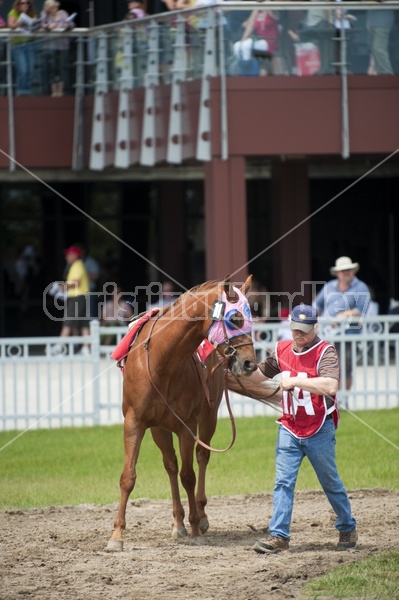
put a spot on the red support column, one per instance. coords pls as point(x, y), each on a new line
point(226, 219)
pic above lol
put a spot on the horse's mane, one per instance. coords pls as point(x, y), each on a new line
point(193, 290)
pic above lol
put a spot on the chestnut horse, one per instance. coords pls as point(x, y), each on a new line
point(164, 390)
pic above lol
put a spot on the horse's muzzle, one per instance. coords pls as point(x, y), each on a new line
point(240, 368)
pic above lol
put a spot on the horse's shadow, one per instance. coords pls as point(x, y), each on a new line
point(247, 538)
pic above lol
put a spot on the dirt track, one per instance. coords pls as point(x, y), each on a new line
point(60, 552)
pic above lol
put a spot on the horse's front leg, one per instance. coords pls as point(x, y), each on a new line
point(164, 441)
point(133, 436)
point(207, 426)
point(188, 479)
point(202, 459)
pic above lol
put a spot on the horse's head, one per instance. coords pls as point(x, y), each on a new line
point(231, 329)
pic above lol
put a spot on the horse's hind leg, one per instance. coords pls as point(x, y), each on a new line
point(164, 441)
point(133, 436)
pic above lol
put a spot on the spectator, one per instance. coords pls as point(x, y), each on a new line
point(343, 21)
point(22, 47)
point(76, 287)
point(94, 272)
point(345, 297)
point(56, 50)
point(309, 371)
point(261, 36)
point(136, 10)
point(26, 269)
point(373, 309)
point(316, 28)
point(166, 295)
point(379, 24)
point(2, 21)
point(117, 312)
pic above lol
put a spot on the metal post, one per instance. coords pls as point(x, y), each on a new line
point(344, 93)
point(204, 151)
point(176, 134)
point(126, 127)
point(223, 92)
point(99, 150)
point(11, 122)
point(78, 129)
point(95, 358)
point(148, 155)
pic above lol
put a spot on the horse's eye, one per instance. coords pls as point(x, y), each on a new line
point(235, 321)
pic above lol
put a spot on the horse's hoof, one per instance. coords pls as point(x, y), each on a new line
point(115, 546)
point(204, 525)
point(198, 541)
point(179, 532)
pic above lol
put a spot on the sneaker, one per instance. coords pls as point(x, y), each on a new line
point(272, 545)
point(57, 349)
point(347, 539)
point(84, 351)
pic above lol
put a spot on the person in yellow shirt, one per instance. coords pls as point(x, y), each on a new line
point(77, 307)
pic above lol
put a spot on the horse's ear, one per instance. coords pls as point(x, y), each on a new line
point(229, 290)
point(247, 285)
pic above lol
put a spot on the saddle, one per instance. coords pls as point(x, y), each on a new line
point(121, 351)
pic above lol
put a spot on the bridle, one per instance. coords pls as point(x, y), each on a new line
point(229, 352)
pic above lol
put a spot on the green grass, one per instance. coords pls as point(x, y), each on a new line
point(82, 465)
point(376, 577)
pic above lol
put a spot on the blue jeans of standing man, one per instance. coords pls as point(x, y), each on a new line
point(24, 57)
point(320, 450)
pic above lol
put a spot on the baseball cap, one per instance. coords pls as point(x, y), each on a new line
point(73, 250)
point(303, 317)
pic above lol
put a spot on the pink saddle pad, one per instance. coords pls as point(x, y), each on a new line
point(122, 349)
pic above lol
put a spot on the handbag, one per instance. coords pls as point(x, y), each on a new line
point(307, 56)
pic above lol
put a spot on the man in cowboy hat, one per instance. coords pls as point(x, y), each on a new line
point(345, 297)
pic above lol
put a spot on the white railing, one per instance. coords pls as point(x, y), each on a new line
point(38, 390)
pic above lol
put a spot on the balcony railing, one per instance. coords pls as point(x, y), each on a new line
point(287, 39)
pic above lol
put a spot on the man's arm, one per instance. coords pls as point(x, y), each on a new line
point(257, 376)
point(327, 386)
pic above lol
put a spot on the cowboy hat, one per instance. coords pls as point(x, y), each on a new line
point(342, 264)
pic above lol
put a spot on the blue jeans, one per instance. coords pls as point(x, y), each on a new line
point(380, 50)
point(24, 57)
point(320, 450)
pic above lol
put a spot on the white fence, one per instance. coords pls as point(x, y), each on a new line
point(38, 390)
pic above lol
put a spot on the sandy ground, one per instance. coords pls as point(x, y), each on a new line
point(60, 552)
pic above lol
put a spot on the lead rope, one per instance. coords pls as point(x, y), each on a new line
point(250, 395)
point(196, 438)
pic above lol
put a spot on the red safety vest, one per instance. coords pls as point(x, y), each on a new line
point(303, 412)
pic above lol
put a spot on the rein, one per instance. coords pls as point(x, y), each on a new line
point(250, 395)
point(229, 352)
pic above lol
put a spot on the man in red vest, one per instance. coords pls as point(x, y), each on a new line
point(309, 371)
